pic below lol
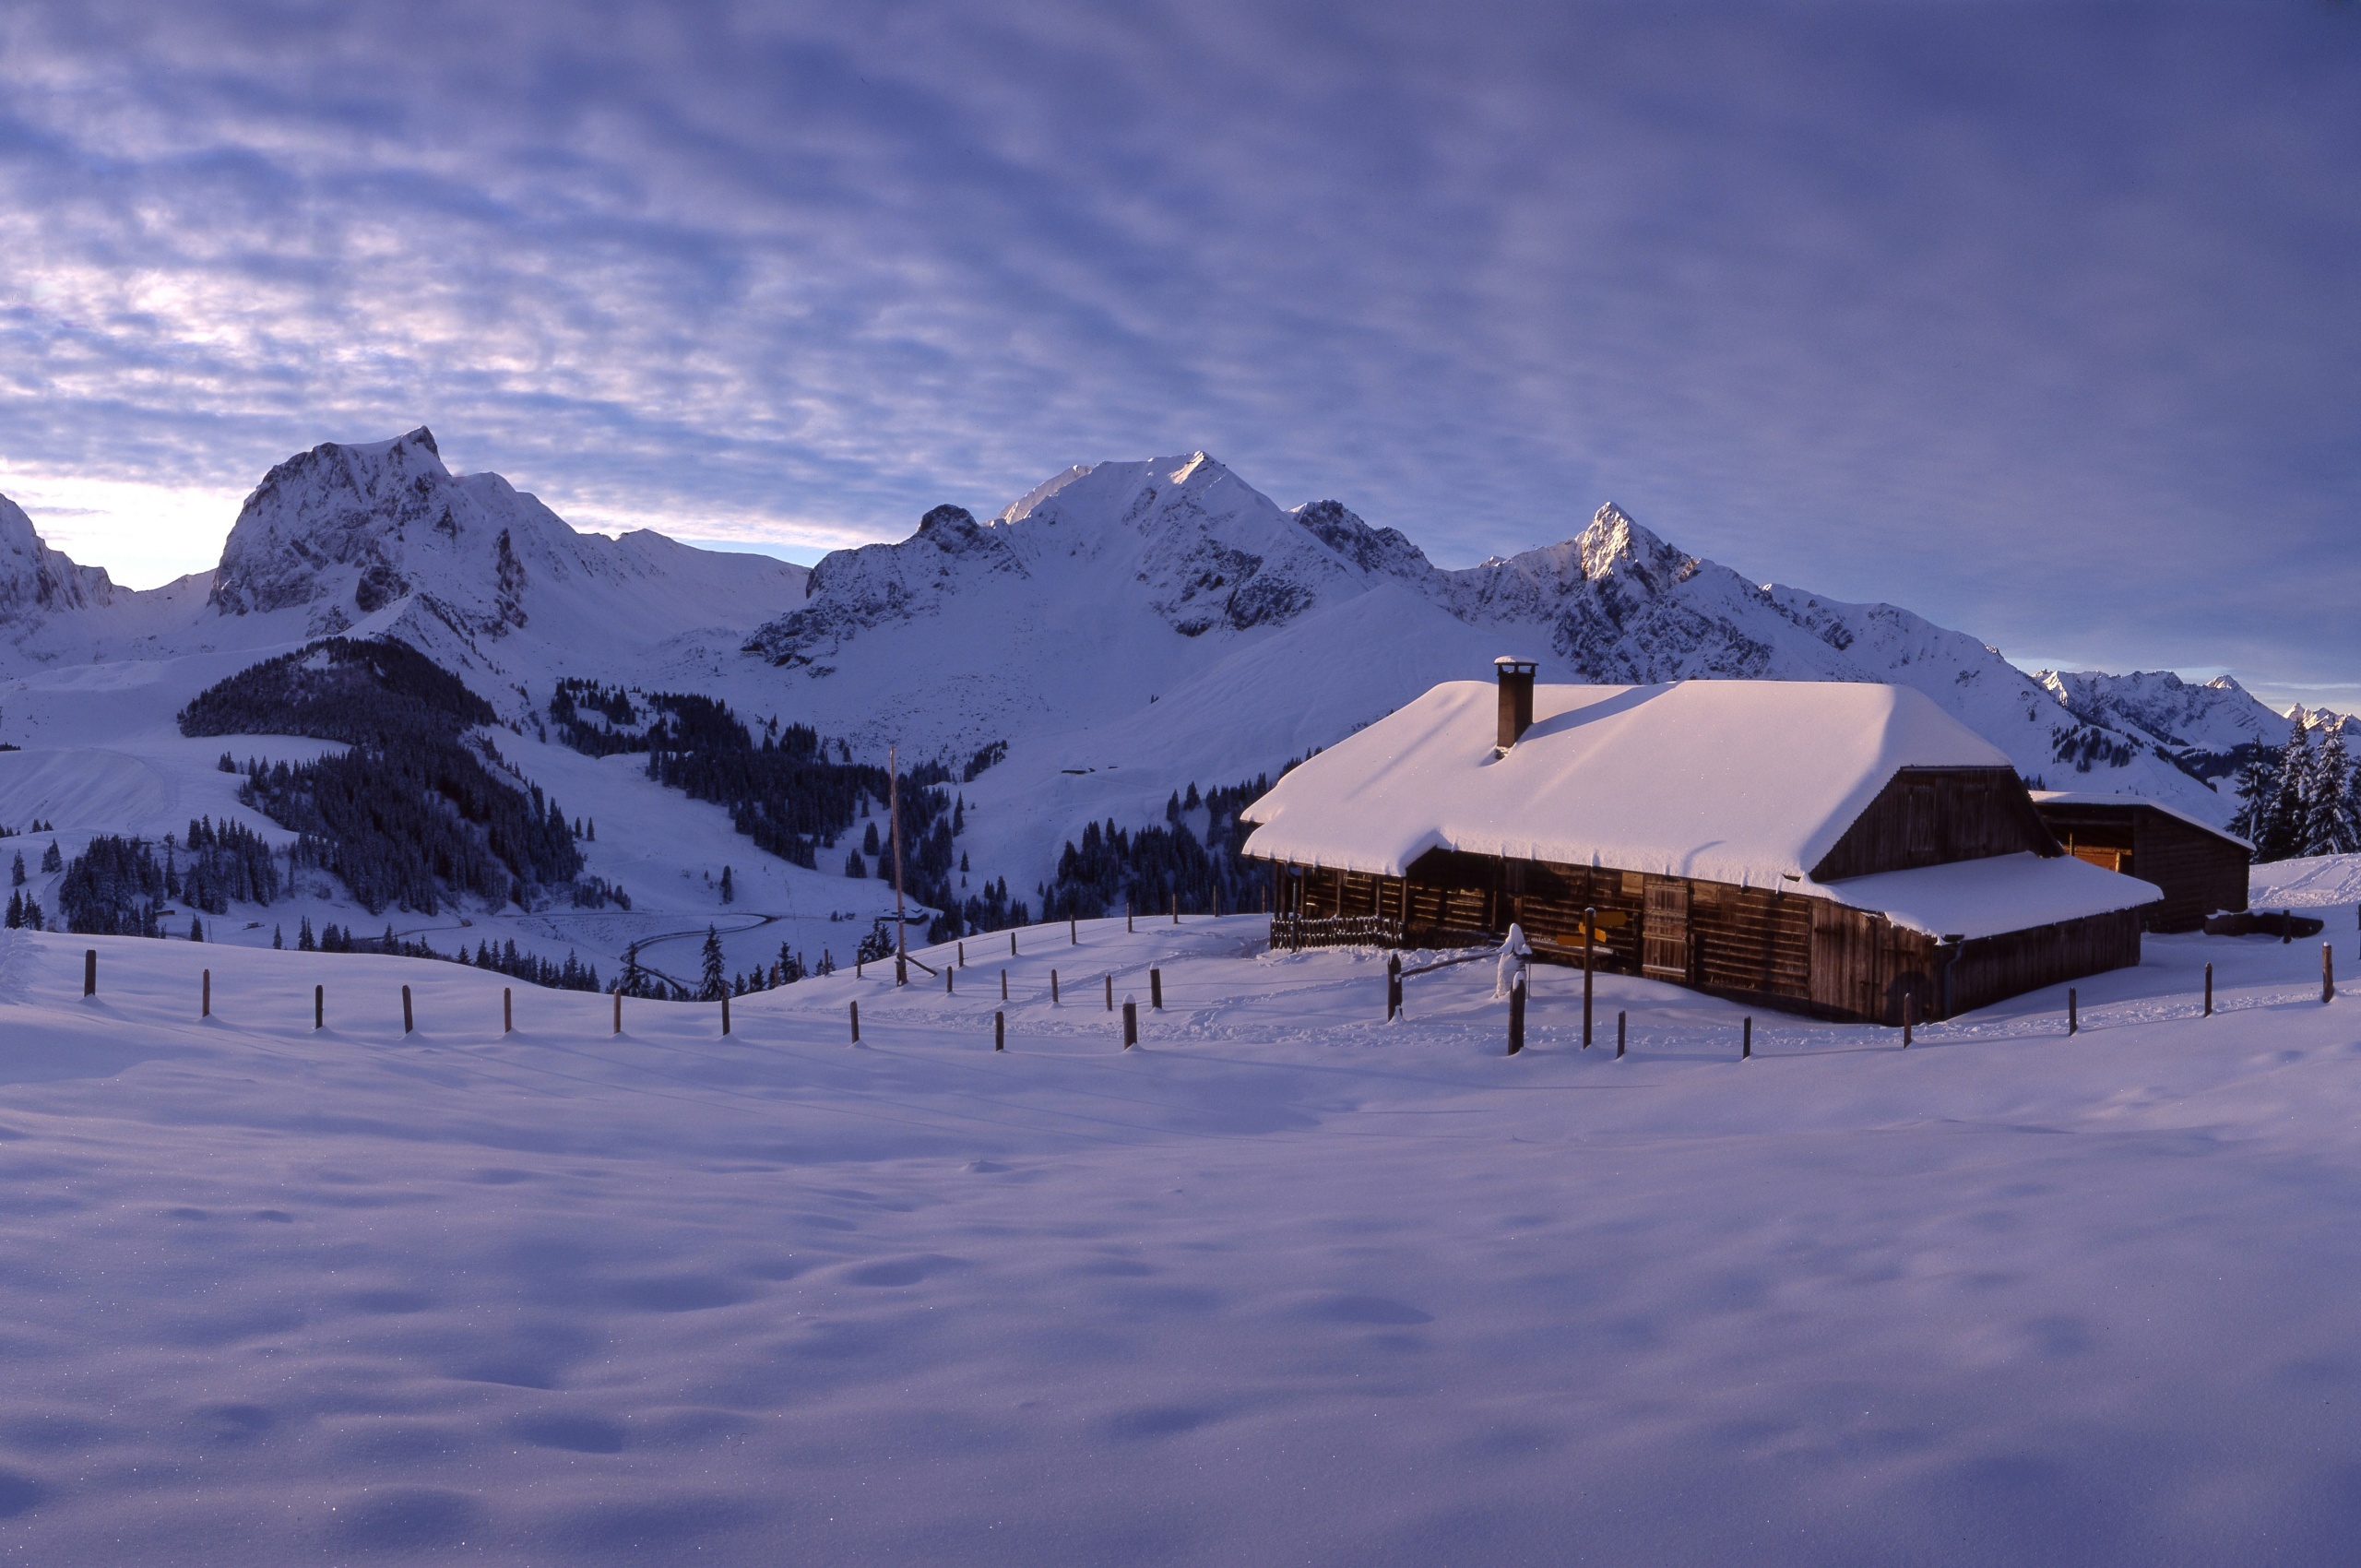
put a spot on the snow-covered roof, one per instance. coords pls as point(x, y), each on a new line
point(1741, 781)
point(1985, 897)
point(2100, 797)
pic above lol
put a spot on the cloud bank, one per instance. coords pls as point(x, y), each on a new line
point(2041, 321)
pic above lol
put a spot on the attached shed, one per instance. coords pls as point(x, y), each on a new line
point(2201, 870)
point(1843, 849)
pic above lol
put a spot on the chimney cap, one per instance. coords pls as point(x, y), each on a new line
point(1521, 665)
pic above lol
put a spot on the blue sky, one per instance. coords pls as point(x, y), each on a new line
point(2042, 321)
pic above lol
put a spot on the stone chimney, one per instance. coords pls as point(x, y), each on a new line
point(1516, 699)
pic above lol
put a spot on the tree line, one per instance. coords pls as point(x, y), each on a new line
point(2300, 800)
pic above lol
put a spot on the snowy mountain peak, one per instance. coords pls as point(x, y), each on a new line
point(34, 578)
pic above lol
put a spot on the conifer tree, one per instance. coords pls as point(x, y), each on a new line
point(2332, 822)
point(279, 939)
point(195, 929)
point(869, 840)
point(16, 871)
point(716, 986)
point(50, 860)
point(304, 941)
point(2285, 826)
point(16, 911)
point(729, 888)
point(853, 866)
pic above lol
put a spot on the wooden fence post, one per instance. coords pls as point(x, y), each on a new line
point(319, 1006)
point(1516, 1012)
point(1003, 985)
point(1156, 989)
point(1054, 988)
point(2328, 973)
point(1012, 941)
point(1111, 991)
point(507, 1011)
point(856, 1023)
point(1909, 1016)
point(901, 970)
point(1176, 908)
point(947, 972)
point(1589, 933)
point(1127, 917)
point(619, 1012)
point(407, 1024)
point(1392, 986)
point(2209, 991)
point(2073, 1014)
point(1746, 1040)
point(1074, 932)
point(725, 1013)
point(1130, 1023)
point(89, 971)
point(963, 955)
point(1619, 1037)
point(1000, 1031)
point(206, 1007)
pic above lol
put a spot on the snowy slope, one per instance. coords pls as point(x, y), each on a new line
point(1285, 1284)
point(2211, 727)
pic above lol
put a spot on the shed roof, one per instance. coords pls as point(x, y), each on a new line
point(1741, 781)
point(2095, 797)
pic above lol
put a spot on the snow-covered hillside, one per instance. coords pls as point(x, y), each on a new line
point(2211, 728)
point(1286, 1284)
point(1125, 630)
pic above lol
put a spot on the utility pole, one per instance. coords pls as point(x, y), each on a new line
point(894, 815)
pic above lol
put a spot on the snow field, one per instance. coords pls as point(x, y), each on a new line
point(1286, 1284)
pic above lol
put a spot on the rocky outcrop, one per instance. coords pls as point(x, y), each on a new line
point(36, 580)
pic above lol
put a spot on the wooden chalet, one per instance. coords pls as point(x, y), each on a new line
point(1841, 850)
point(2201, 871)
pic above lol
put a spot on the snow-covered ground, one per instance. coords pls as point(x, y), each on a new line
point(1287, 1284)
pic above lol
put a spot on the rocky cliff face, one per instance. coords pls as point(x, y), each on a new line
point(36, 580)
point(2212, 727)
point(382, 539)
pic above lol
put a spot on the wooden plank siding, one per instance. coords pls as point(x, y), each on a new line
point(2201, 873)
point(1763, 945)
point(1928, 816)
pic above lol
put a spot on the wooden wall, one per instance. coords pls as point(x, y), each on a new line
point(1928, 816)
point(1759, 944)
point(2200, 872)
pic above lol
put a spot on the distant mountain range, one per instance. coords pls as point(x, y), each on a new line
point(1123, 630)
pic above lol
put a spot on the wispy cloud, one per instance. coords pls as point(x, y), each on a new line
point(2041, 320)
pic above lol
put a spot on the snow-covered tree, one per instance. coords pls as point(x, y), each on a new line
point(853, 866)
point(2332, 821)
point(729, 887)
point(50, 860)
point(16, 871)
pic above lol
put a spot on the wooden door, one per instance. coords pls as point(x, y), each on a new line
point(1665, 937)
